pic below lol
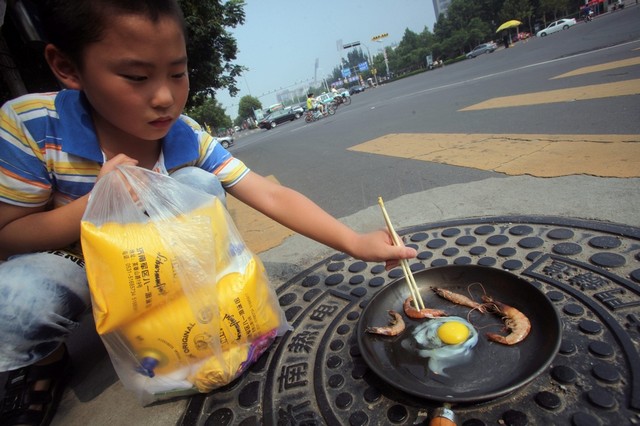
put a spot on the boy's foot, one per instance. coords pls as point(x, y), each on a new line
point(32, 393)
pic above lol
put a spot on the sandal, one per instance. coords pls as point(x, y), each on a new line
point(20, 394)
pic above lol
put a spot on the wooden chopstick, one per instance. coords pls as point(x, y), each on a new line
point(413, 287)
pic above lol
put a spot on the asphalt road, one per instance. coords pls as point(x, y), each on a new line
point(314, 158)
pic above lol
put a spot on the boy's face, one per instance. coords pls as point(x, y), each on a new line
point(136, 77)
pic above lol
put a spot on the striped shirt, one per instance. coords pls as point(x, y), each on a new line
point(49, 151)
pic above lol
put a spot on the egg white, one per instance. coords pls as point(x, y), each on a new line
point(425, 341)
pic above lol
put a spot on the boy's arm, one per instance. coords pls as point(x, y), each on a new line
point(31, 229)
point(300, 214)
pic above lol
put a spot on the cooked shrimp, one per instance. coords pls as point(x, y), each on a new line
point(514, 321)
point(459, 299)
point(395, 327)
point(414, 313)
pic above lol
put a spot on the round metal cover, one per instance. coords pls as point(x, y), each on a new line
point(494, 369)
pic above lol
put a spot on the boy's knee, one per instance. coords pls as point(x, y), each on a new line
point(50, 288)
point(43, 298)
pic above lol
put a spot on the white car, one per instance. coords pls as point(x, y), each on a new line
point(225, 141)
point(559, 25)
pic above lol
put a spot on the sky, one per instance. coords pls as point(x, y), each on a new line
point(280, 40)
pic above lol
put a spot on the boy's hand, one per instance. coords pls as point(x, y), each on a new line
point(378, 246)
point(118, 160)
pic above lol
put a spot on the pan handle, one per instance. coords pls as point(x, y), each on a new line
point(443, 416)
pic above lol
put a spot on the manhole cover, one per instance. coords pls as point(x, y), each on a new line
point(315, 374)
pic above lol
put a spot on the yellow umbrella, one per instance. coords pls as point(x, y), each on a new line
point(509, 24)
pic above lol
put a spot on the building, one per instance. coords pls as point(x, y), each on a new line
point(440, 6)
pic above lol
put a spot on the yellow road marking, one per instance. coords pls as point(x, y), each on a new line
point(602, 67)
point(259, 232)
point(594, 91)
point(523, 154)
point(537, 155)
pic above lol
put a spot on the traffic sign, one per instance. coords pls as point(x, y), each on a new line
point(348, 45)
point(379, 37)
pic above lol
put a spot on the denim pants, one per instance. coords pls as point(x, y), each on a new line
point(44, 295)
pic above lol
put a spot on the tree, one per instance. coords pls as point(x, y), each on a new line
point(210, 47)
point(210, 114)
point(516, 9)
point(246, 106)
point(553, 6)
point(407, 51)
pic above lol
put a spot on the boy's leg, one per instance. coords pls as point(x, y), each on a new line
point(43, 295)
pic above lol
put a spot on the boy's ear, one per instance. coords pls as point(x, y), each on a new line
point(63, 68)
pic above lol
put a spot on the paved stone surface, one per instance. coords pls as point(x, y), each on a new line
point(316, 375)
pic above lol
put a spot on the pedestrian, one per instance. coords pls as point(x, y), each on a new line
point(123, 64)
point(505, 40)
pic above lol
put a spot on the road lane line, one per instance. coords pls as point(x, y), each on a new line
point(429, 90)
point(601, 67)
point(517, 154)
point(594, 91)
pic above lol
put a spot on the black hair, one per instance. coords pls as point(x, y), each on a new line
point(71, 25)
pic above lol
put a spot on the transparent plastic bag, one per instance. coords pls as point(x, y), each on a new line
point(180, 303)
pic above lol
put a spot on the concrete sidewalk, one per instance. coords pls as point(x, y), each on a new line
point(95, 395)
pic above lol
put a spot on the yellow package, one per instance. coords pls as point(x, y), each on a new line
point(131, 267)
point(219, 371)
point(178, 299)
point(183, 331)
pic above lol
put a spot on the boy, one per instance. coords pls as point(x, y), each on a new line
point(124, 66)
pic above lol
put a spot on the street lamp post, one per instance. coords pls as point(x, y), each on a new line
point(378, 38)
point(375, 74)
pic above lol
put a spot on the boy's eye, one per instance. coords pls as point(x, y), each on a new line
point(134, 77)
point(180, 75)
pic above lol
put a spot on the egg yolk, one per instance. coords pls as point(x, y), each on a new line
point(453, 332)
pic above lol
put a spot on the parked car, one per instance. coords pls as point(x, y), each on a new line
point(482, 48)
point(277, 117)
point(554, 27)
point(225, 141)
point(356, 89)
point(297, 109)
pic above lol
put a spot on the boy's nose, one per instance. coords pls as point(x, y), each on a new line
point(163, 97)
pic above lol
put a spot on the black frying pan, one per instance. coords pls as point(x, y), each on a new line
point(494, 369)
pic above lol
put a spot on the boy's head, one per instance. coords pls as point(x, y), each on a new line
point(128, 58)
point(71, 25)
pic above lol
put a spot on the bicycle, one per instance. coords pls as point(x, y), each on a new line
point(315, 115)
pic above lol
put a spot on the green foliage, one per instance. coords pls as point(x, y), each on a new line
point(210, 114)
point(553, 7)
point(210, 46)
point(516, 9)
point(246, 106)
point(354, 57)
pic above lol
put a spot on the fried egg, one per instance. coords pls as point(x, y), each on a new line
point(445, 341)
